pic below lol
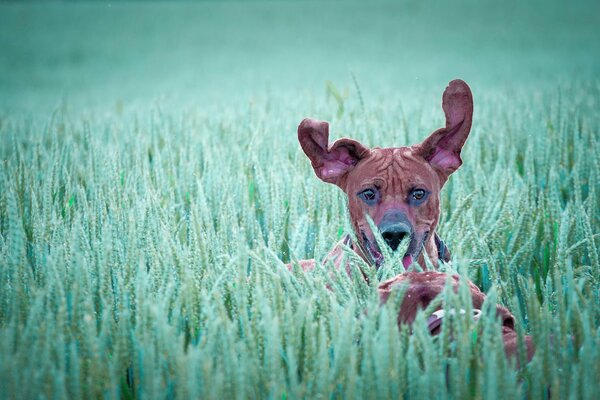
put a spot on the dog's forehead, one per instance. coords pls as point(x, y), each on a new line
point(396, 167)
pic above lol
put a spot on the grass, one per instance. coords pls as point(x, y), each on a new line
point(143, 242)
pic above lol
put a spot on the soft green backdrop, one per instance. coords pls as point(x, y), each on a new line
point(151, 185)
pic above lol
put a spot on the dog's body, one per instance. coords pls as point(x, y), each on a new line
point(398, 189)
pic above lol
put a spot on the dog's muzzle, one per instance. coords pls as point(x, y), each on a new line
point(394, 228)
point(395, 234)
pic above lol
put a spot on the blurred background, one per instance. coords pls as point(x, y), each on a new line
point(102, 55)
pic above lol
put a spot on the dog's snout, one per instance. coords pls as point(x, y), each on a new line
point(394, 227)
point(394, 235)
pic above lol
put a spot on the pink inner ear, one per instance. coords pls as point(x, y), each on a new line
point(444, 159)
point(337, 163)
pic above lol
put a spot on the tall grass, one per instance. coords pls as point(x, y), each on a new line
point(142, 255)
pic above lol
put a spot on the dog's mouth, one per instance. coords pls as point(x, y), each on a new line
point(373, 250)
point(412, 253)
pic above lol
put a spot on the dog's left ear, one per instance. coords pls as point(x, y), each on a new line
point(331, 163)
point(442, 148)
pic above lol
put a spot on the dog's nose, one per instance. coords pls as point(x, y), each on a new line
point(394, 227)
point(393, 235)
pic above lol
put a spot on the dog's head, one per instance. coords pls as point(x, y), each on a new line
point(397, 187)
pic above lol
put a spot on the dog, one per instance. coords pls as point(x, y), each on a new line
point(398, 189)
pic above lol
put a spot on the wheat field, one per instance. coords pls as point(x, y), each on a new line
point(152, 190)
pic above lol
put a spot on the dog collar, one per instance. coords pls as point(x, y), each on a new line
point(435, 320)
point(442, 249)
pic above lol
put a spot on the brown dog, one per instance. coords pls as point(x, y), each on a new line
point(398, 188)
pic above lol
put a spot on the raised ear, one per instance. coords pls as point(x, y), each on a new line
point(330, 163)
point(442, 148)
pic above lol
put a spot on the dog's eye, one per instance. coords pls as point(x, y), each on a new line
point(369, 196)
point(417, 197)
point(418, 194)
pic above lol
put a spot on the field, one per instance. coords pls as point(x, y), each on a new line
point(152, 189)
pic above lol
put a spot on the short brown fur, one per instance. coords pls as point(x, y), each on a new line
point(383, 183)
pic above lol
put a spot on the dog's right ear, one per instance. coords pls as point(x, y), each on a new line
point(330, 163)
point(442, 148)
